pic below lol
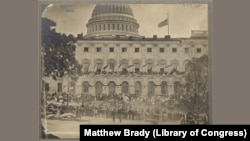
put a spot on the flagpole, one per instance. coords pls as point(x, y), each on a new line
point(168, 23)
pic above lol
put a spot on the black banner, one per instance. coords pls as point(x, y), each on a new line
point(164, 132)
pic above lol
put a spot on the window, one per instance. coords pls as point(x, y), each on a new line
point(136, 49)
point(124, 49)
point(124, 65)
point(86, 49)
point(150, 65)
point(137, 65)
point(59, 87)
point(112, 87)
point(198, 50)
point(175, 64)
point(174, 49)
point(161, 49)
point(137, 70)
point(85, 67)
point(112, 66)
point(138, 88)
point(98, 87)
point(125, 87)
point(186, 50)
point(98, 49)
point(149, 49)
point(124, 71)
point(164, 87)
point(99, 27)
point(151, 88)
point(161, 70)
point(99, 68)
point(111, 49)
point(149, 70)
point(47, 87)
point(85, 87)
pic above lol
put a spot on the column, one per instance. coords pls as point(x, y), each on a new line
point(157, 87)
point(118, 89)
point(92, 87)
point(144, 83)
point(105, 89)
point(131, 86)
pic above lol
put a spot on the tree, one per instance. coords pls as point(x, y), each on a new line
point(197, 83)
point(196, 99)
point(58, 52)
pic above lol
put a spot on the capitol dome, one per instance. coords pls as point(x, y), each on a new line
point(110, 20)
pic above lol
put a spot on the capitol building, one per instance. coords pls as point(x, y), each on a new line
point(116, 59)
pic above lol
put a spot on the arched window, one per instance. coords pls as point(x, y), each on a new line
point(174, 64)
point(111, 87)
point(125, 87)
point(124, 65)
point(98, 65)
point(85, 87)
point(111, 63)
point(85, 63)
point(150, 65)
point(164, 87)
point(138, 89)
point(162, 65)
point(151, 88)
point(98, 87)
point(137, 64)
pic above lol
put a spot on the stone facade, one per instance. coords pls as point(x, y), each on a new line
point(119, 60)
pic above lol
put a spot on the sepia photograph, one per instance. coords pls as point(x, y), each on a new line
point(117, 63)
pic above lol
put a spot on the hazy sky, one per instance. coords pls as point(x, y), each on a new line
point(72, 18)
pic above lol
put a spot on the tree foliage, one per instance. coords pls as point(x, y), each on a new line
point(197, 83)
point(58, 52)
point(195, 98)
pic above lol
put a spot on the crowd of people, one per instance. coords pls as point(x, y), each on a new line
point(119, 107)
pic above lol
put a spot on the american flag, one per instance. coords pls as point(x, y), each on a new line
point(163, 23)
